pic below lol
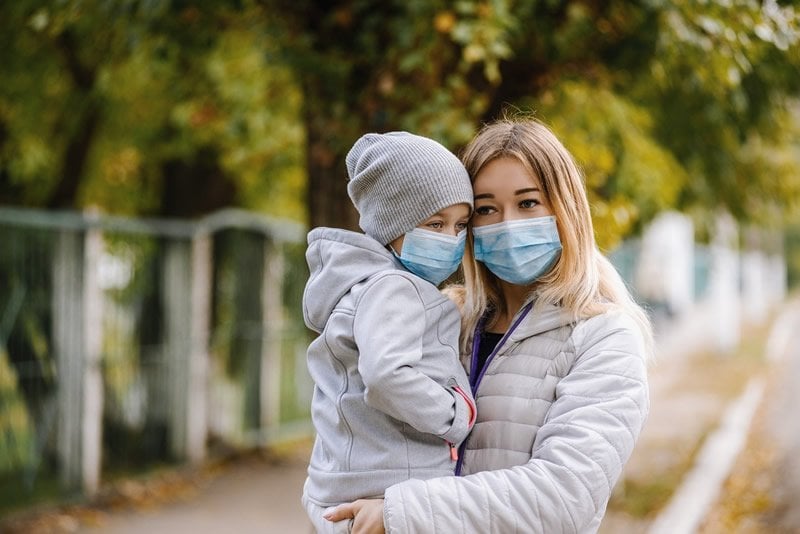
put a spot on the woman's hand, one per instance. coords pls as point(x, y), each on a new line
point(367, 515)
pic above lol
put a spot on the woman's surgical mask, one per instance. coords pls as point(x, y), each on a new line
point(431, 255)
point(518, 251)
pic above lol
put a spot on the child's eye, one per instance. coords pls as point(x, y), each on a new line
point(435, 224)
point(461, 226)
point(529, 203)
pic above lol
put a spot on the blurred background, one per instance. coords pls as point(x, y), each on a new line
point(162, 160)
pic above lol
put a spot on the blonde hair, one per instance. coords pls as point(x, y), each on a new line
point(582, 281)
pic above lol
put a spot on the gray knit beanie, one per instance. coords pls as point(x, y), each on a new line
point(398, 179)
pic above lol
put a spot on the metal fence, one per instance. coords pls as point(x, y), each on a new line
point(127, 343)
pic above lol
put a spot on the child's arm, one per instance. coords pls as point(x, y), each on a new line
point(388, 328)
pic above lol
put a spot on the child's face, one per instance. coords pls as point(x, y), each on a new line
point(450, 220)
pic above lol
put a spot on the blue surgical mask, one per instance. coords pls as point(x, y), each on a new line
point(430, 255)
point(518, 251)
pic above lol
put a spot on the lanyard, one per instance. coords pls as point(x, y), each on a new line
point(476, 380)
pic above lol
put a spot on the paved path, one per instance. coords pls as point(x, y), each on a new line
point(784, 425)
point(252, 497)
point(763, 492)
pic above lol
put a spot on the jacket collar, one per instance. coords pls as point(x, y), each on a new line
point(541, 318)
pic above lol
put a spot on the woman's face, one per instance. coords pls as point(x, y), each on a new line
point(506, 191)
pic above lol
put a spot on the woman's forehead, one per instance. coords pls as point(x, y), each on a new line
point(505, 175)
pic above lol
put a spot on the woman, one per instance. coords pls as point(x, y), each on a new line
point(556, 350)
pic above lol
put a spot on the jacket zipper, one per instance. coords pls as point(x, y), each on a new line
point(473, 415)
point(473, 411)
point(453, 451)
point(476, 338)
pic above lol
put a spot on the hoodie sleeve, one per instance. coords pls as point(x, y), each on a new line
point(389, 326)
point(577, 457)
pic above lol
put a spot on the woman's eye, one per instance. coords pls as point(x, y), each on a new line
point(483, 210)
point(529, 203)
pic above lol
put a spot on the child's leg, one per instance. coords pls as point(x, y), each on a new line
point(322, 525)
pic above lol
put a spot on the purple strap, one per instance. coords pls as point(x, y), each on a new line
point(476, 380)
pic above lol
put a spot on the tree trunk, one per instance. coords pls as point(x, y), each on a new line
point(327, 142)
point(195, 185)
point(73, 161)
point(81, 135)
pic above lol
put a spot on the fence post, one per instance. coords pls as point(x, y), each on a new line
point(77, 339)
point(186, 300)
point(665, 273)
point(198, 390)
point(248, 341)
point(724, 285)
point(754, 276)
point(272, 301)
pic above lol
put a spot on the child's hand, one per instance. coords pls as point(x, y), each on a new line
point(367, 515)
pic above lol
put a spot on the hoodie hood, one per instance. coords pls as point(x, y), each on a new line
point(338, 260)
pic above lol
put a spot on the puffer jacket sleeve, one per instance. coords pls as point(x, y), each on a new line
point(388, 328)
point(578, 454)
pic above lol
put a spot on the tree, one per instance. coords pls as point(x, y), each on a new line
point(145, 108)
point(437, 68)
point(442, 68)
point(722, 93)
point(167, 108)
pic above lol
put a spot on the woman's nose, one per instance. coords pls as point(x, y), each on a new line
point(509, 216)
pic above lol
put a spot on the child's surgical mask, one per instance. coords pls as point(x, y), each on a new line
point(430, 255)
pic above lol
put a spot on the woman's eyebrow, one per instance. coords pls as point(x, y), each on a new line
point(526, 190)
point(484, 195)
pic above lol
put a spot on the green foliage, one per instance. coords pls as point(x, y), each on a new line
point(720, 90)
point(120, 91)
point(16, 428)
point(164, 107)
point(629, 176)
point(677, 100)
point(793, 255)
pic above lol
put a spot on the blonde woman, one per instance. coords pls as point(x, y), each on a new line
point(556, 352)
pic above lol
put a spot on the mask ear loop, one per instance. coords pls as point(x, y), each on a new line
point(394, 252)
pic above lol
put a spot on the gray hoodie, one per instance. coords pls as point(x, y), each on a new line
point(390, 394)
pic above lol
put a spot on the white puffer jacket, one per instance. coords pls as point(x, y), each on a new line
point(560, 407)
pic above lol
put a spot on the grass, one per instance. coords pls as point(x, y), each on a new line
point(644, 498)
point(15, 494)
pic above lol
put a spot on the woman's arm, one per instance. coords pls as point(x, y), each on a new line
point(578, 454)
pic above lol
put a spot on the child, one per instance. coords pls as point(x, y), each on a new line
point(391, 399)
